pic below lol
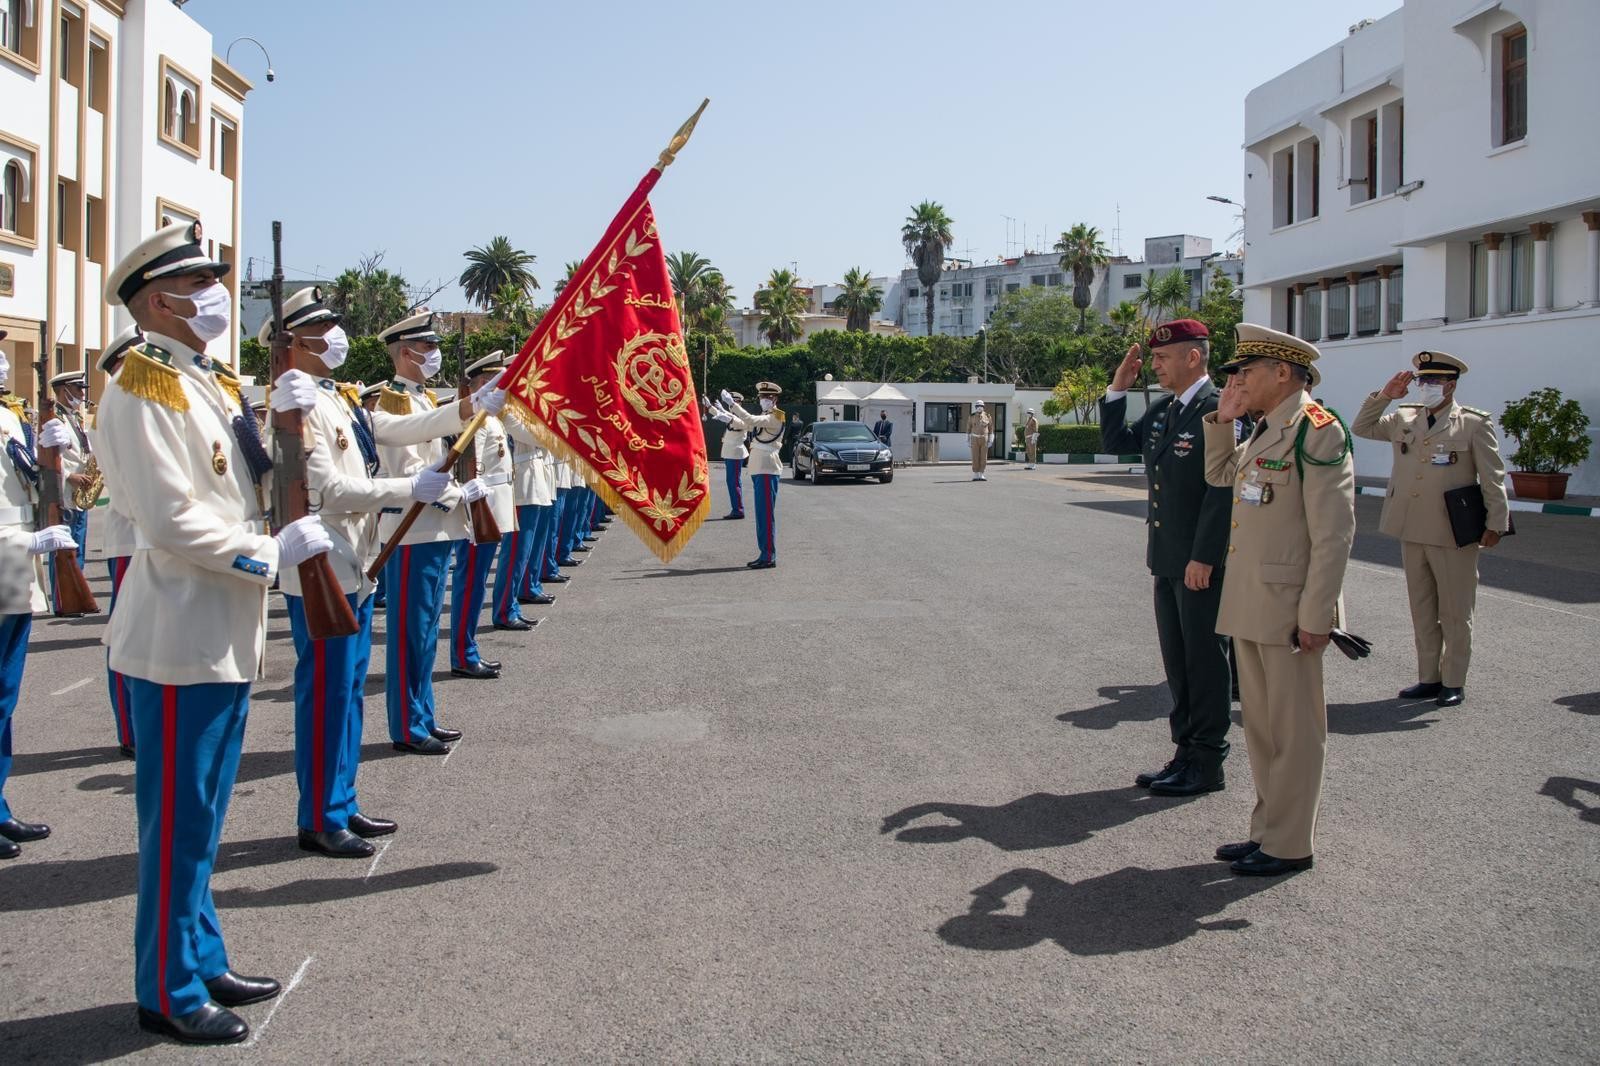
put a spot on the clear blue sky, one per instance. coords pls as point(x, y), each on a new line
point(424, 128)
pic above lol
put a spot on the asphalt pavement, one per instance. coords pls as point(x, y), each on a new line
point(875, 805)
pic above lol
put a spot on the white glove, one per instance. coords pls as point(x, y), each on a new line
point(727, 398)
point(489, 399)
point(428, 485)
point(294, 391)
point(720, 415)
point(51, 539)
point(474, 490)
point(55, 434)
point(304, 538)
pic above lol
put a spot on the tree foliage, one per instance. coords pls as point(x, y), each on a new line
point(927, 233)
point(494, 266)
point(368, 297)
point(781, 304)
point(1083, 255)
point(860, 300)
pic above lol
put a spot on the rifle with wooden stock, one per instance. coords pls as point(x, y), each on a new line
point(73, 596)
point(485, 530)
point(328, 613)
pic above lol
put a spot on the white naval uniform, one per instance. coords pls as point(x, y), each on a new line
point(496, 470)
point(733, 439)
point(767, 445)
point(17, 520)
point(534, 468)
point(442, 521)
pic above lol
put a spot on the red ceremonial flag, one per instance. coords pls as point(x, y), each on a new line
point(605, 380)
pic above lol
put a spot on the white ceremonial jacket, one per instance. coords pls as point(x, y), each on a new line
point(442, 521)
point(495, 468)
point(17, 520)
point(767, 445)
point(733, 440)
point(117, 537)
point(534, 468)
point(192, 609)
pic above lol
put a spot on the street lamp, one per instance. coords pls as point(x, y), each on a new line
point(1223, 200)
point(227, 57)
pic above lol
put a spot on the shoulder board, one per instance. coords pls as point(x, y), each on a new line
point(393, 402)
point(1319, 415)
point(778, 412)
point(1474, 411)
point(14, 403)
point(231, 386)
point(349, 392)
point(434, 396)
point(147, 377)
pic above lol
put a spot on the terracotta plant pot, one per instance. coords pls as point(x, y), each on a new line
point(1531, 486)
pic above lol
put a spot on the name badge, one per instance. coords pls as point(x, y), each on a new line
point(1440, 457)
point(1254, 492)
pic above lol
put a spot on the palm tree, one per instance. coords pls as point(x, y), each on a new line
point(368, 297)
point(1164, 296)
point(511, 306)
point(926, 235)
point(1083, 254)
point(1126, 319)
point(709, 304)
point(859, 300)
point(781, 303)
point(572, 268)
point(494, 266)
point(686, 269)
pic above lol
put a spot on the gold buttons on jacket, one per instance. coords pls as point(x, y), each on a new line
point(1235, 525)
point(1158, 523)
point(1230, 547)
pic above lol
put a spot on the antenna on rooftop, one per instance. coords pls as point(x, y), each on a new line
point(1116, 233)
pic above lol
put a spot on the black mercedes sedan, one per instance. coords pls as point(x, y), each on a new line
point(841, 449)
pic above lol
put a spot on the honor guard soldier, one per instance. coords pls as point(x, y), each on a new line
point(1439, 447)
point(554, 554)
point(330, 674)
point(519, 581)
point(18, 592)
point(190, 624)
point(734, 455)
point(572, 510)
point(1188, 523)
point(417, 571)
point(980, 435)
point(367, 398)
point(118, 541)
point(1293, 519)
point(766, 466)
point(473, 561)
point(1030, 438)
point(66, 432)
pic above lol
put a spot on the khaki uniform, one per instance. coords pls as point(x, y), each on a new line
point(1285, 567)
point(1030, 439)
point(1459, 449)
point(403, 457)
point(979, 429)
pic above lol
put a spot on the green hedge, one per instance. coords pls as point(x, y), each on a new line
point(1066, 440)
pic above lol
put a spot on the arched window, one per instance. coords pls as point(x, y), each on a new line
point(169, 108)
point(186, 117)
point(10, 196)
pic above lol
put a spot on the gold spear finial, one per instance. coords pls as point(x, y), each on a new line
point(681, 138)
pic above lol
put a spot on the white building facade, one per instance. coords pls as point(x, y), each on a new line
point(1433, 182)
point(116, 118)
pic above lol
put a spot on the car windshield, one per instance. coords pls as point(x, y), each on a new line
point(843, 432)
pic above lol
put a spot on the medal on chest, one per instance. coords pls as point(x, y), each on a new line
point(340, 439)
point(219, 461)
point(1254, 491)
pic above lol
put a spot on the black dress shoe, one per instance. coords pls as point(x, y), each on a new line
point(560, 579)
point(211, 1024)
point(493, 664)
point(1448, 697)
point(1422, 690)
point(1230, 852)
point(367, 828)
point(9, 850)
point(569, 561)
point(430, 746)
point(517, 624)
point(1260, 864)
point(22, 832)
point(479, 671)
point(126, 750)
point(1193, 781)
point(449, 736)
point(1173, 766)
point(733, 517)
point(232, 990)
point(580, 547)
point(339, 843)
point(761, 564)
point(540, 600)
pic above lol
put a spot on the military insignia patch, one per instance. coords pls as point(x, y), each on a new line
point(219, 462)
point(1273, 464)
point(1320, 416)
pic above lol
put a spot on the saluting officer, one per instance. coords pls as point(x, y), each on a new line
point(66, 433)
point(766, 466)
point(1293, 485)
point(419, 568)
point(473, 561)
point(189, 628)
point(1188, 527)
point(734, 454)
point(520, 578)
point(1439, 446)
point(980, 435)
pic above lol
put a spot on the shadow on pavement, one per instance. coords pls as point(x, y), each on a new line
point(1041, 820)
point(1126, 703)
point(44, 762)
point(1133, 909)
point(1127, 508)
point(1564, 790)
point(38, 647)
point(1585, 703)
point(333, 889)
point(35, 886)
point(76, 1037)
point(637, 574)
point(1380, 716)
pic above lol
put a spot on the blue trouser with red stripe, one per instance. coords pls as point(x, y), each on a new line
point(14, 630)
point(329, 678)
point(78, 523)
point(188, 740)
point(553, 552)
point(572, 520)
point(765, 487)
point(417, 576)
point(733, 470)
point(115, 682)
point(521, 562)
point(469, 585)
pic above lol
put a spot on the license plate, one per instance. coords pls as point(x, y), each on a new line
point(859, 466)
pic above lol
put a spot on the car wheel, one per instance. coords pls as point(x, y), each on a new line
point(816, 472)
point(884, 479)
point(795, 470)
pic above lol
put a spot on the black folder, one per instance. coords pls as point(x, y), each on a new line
point(1469, 516)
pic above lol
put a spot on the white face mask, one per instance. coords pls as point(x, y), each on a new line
point(213, 312)
point(768, 403)
point(1431, 395)
point(338, 347)
point(431, 362)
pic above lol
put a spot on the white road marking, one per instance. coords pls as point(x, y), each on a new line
point(1490, 595)
point(453, 748)
point(69, 688)
point(261, 1030)
point(373, 868)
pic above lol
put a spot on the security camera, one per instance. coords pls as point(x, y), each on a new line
point(270, 75)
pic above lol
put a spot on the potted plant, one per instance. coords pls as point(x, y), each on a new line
point(1552, 435)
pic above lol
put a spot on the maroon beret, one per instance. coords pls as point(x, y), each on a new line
point(1183, 329)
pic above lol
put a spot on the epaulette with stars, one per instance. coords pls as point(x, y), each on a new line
point(1319, 415)
point(1485, 415)
point(147, 372)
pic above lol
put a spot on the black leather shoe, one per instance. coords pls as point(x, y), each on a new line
point(339, 843)
point(367, 828)
point(560, 579)
point(22, 832)
point(1422, 690)
point(1260, 864)
point(126, 750)
point(758, 564)
point(580, 548)
point(232, 990)
point(430, 746)
point(1173, 766)
point(480, 671)
point(1448, 697)
point(569, 561)
point(540, 600)
point(1193, 781)
point(732, 517)
point(516, 624)
point(211, 1024)
point(9, 850)
point(449, 736)
point(1230, 852)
